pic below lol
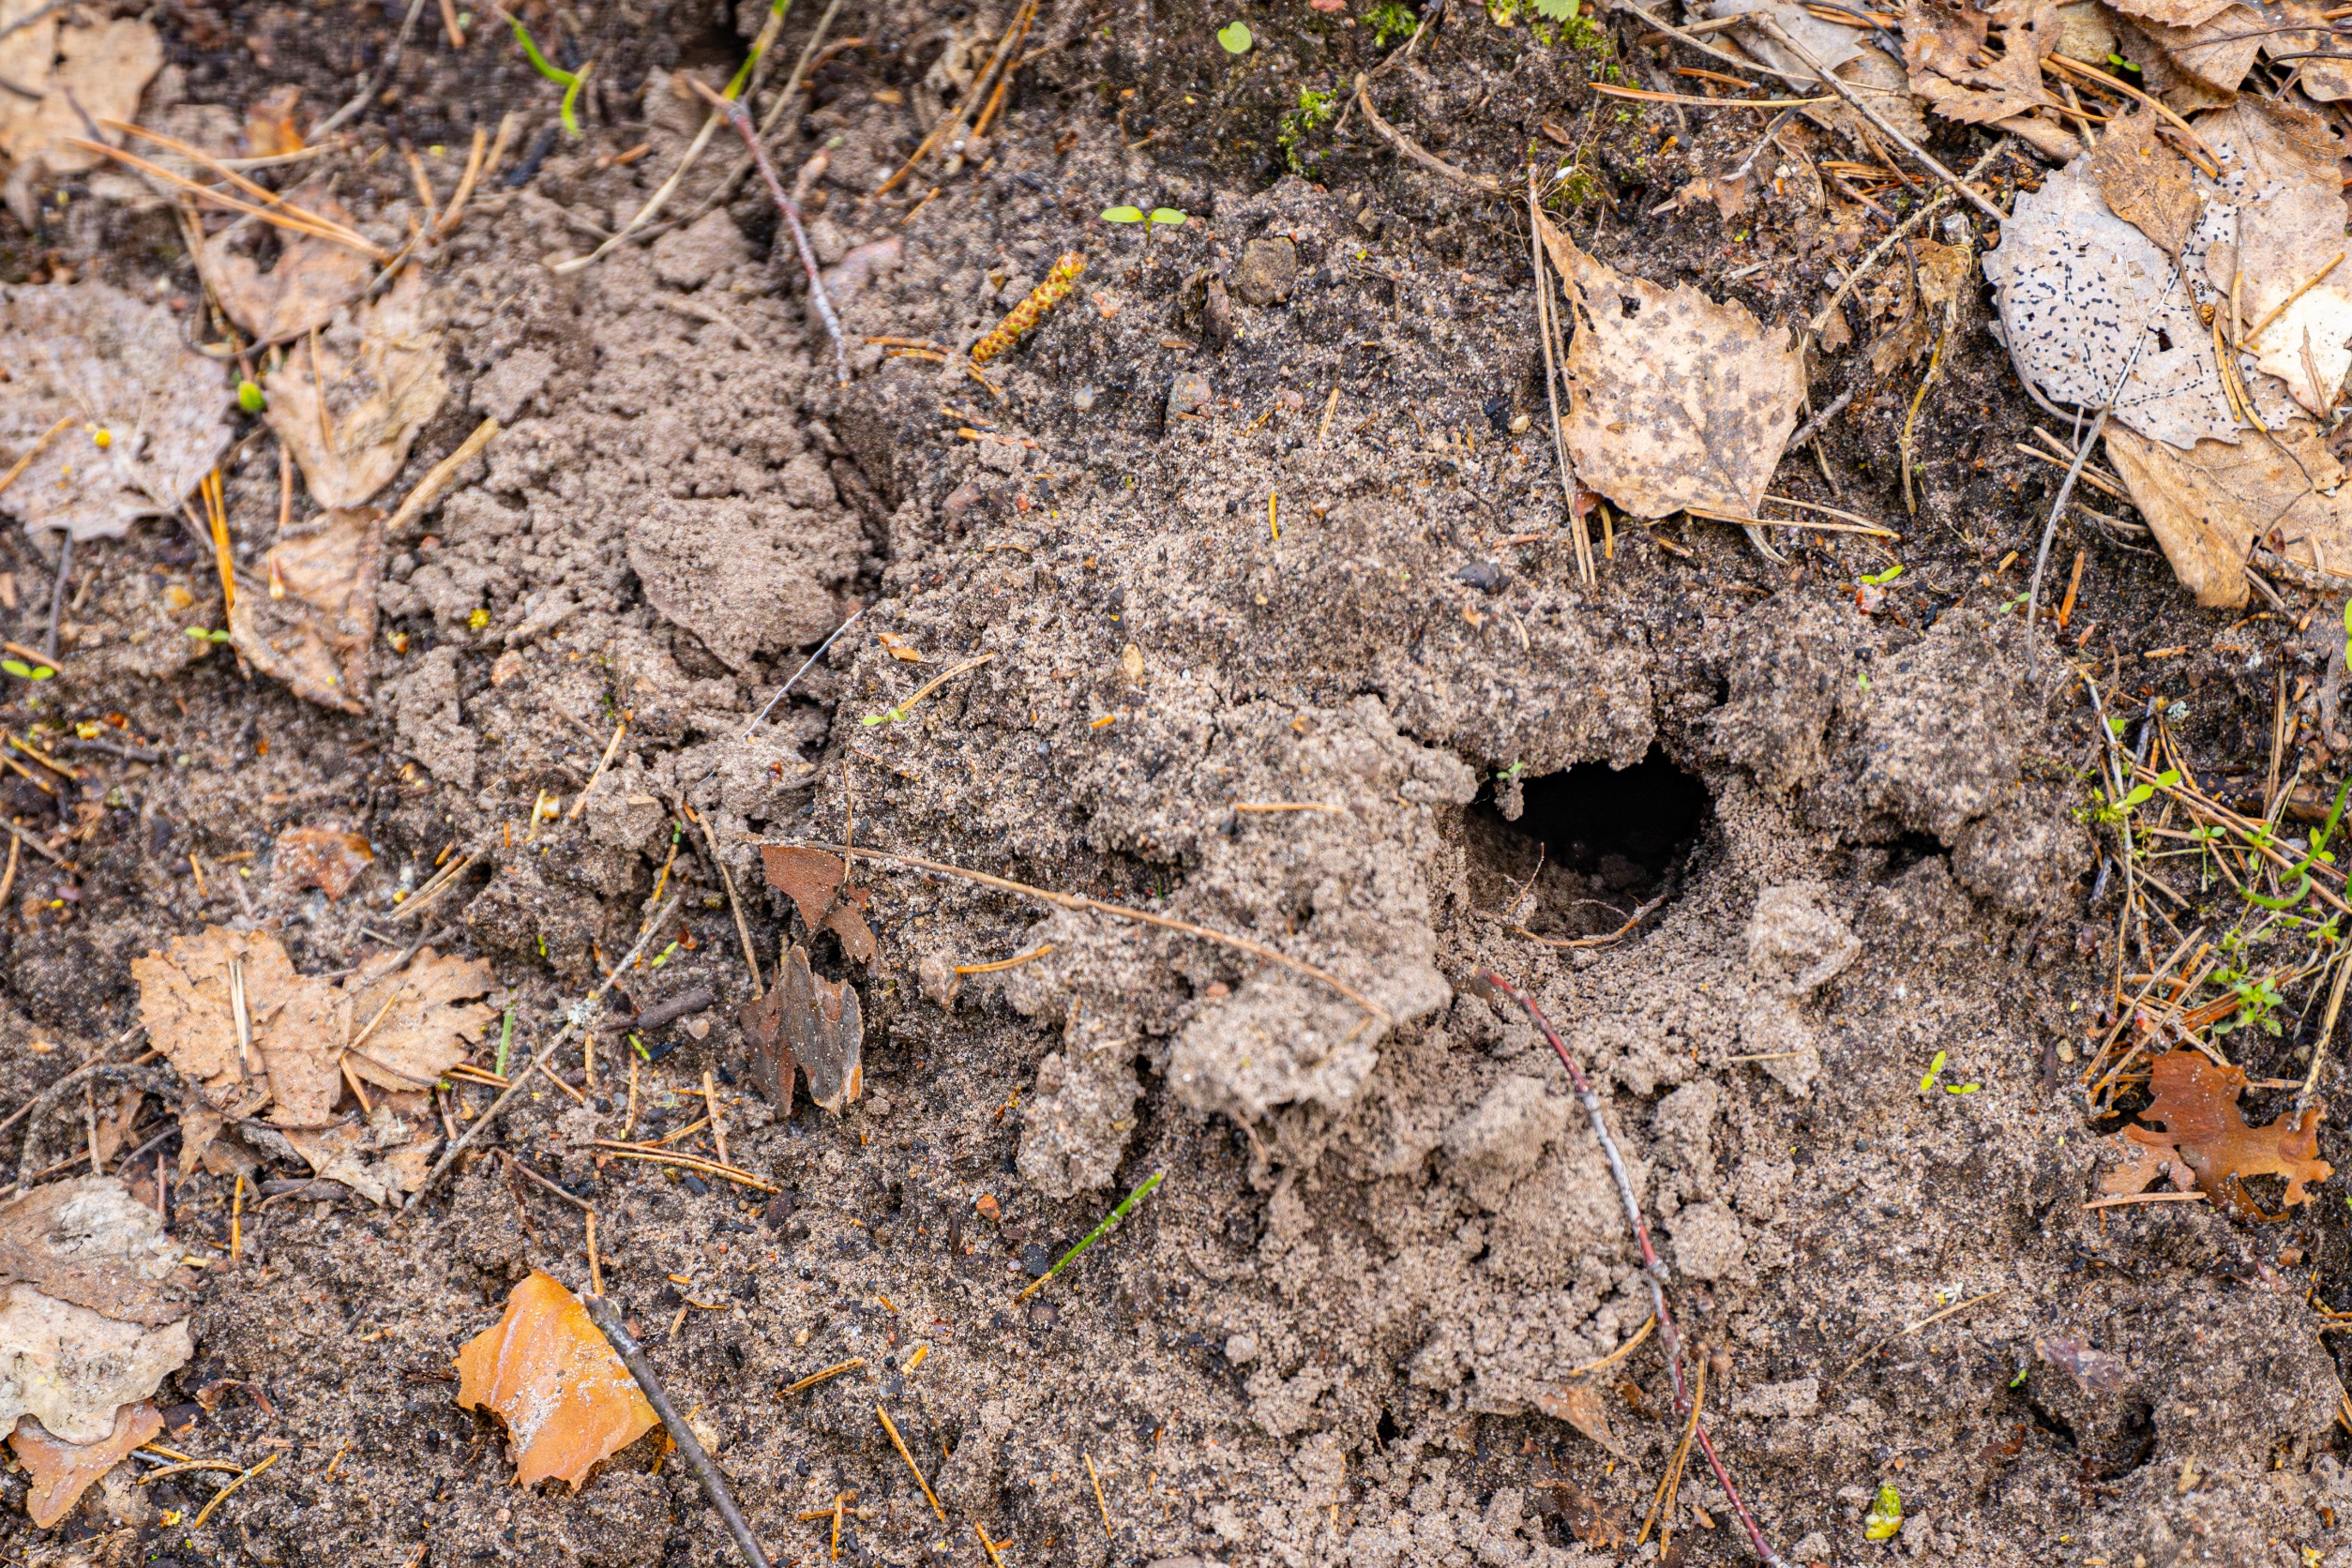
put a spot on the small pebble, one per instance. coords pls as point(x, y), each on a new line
point(1187, 393)
point(1485, 576)
point(694, 1184)
point(986, 1203)
point(1044, 1315)
point(1083, 399)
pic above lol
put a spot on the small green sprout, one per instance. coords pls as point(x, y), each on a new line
point(1166, 217)
point(1885, 1516)
point(639, 1046)
point(663, 957)
point(1879, 579)
point(1935, 1070)
point(542, 944)
point(1314, 111)
point(2019, 1381)
point(1390, 19)
point(1123, 215)
point(1236, 38)
point(249, 398)
point(1555, 10)
point(888, 716)
point(24, 671)
point(505, 1039)
point(201, 635)
point(569, 81)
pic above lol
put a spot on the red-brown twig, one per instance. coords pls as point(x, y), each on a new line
point(1654, 1270)
point(740, 117)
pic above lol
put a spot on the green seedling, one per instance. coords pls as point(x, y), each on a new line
point(1935, 1071)
point(1879, 579)
point(1885, 1516)
point(1168, 217)
point(569, 81)
point(249, 398)
point(505, 1039)
point(639, 1046)
point(24, 671)
point(1236, 38)
point(1110, 1222)
point(663, 957)
point(201, 635)
point(1392, 20)
point(1555, 10)
point(1123, 215)
point(2111, 812)
point(2300, 872)
point(2019, 1381)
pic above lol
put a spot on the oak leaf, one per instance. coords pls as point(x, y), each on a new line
point(2194, 1122)
point(422, 1018)
point(548, 1371)
point(816, 882)
point(293, 1022)
point(62, 1470)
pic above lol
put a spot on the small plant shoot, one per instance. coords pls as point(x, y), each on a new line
point(1236, 38)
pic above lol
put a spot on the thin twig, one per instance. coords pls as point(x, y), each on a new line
point(1415, 151)
point(804, 667)
point(608, 1319)
point(1082, 903)
point(740, 117)
point(584, 1010)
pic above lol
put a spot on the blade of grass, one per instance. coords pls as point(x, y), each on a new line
point(1110, 1222)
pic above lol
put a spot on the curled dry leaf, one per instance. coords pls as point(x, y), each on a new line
point(2080, 290)
point(376, 1158)
point(94, 357)
point(378, 366)
point(549, 1374)
point(810, 1026)
point(270, 131)
point(312, 629)
point(61, 1472)
point(311, 279)
point(2326, 76)
point(1582, 1409)
point(2210, 504)
point(814, 882)
point(1675, 401)
point(64, 78)
point(2196, 1124)
point(2213, 56)
point(1945, 273)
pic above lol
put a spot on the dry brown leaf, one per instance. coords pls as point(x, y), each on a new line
point(2174, 13)
point(1956, 67)
point(62, 1471)
point(270, 131)
point(2208, 504)
point(2144, 182)
point(311, 279)
point(199, 1125)
point(2276, 221)
point(116, 1118)
point(315, 637)
point(1675, 401)
point(380, 364)
point(1582, 1409)
point(297, 1025)
point(322, 858)
point(2322, 80)
point(2216, 53)
point(810, 878)
point(549, 1374)
point(71, 77)
point(88, 1241)
point(431, 1016)
point(1945, 273)
point(93, 354)
point(74, 1367)
point(2200, 1126)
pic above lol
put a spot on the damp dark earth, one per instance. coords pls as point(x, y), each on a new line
point(993, 778)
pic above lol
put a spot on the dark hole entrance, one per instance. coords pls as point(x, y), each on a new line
point(1609, 840)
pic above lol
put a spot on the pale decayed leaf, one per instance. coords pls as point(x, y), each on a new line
point(2281, 200)
point(423, 1019)
point(72, 76)
point(1582, 1409)
point(376, 1158)
point(62, 1471)
point(1831, 44)
point(312, 281)
point(2324, 76)
point(73, 1368)
point(88, 1241)
point(2145, 183)
point(2174, 13)
point(381, 367)
point(312, 629)
point(2216, 53)
point(2208, 506)
point(101, 360)
point(2079, 289)
point(549, 1373)
point(1675, 401)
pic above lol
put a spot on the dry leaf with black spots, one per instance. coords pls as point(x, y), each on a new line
point(1674, 402)
point(64, 78)
point(102, 361)
point(2273, 225)
point(550, 1375)
point(2324, 76)
point(310, 281)
point(2210, 504)
point(2194, 1122)
point(61, 1472)
point(312, 629)
point(379, 366)
point(294, 1027)
point(2091, 309)
point(1963, 72)
point(2144, 182)
point(414, 1026)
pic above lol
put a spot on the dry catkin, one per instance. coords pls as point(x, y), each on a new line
point(1030, 312)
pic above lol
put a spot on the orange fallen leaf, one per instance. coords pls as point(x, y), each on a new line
point(2201, 1127)
point(1580, 1407)
point(549, 1374)
point(62, 1471)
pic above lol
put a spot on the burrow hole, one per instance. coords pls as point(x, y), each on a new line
point(1607, 840)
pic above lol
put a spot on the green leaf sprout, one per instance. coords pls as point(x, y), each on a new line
point(1236, 38)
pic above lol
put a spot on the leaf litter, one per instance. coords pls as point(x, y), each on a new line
point(2195, 1131)
point(311, 278)
point(550, 1375)
point(65, 78)
point(349, 399)
point(61, 1472)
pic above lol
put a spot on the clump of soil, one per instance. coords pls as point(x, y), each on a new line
point(1298, 655)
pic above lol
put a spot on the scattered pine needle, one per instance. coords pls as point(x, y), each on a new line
point(1620, 1352)
point(900, 1444)
point(1002, 964)
point(833, 1371)
point(198, 1522)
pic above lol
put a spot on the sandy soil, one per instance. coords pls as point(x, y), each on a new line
point(1329, 1336)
